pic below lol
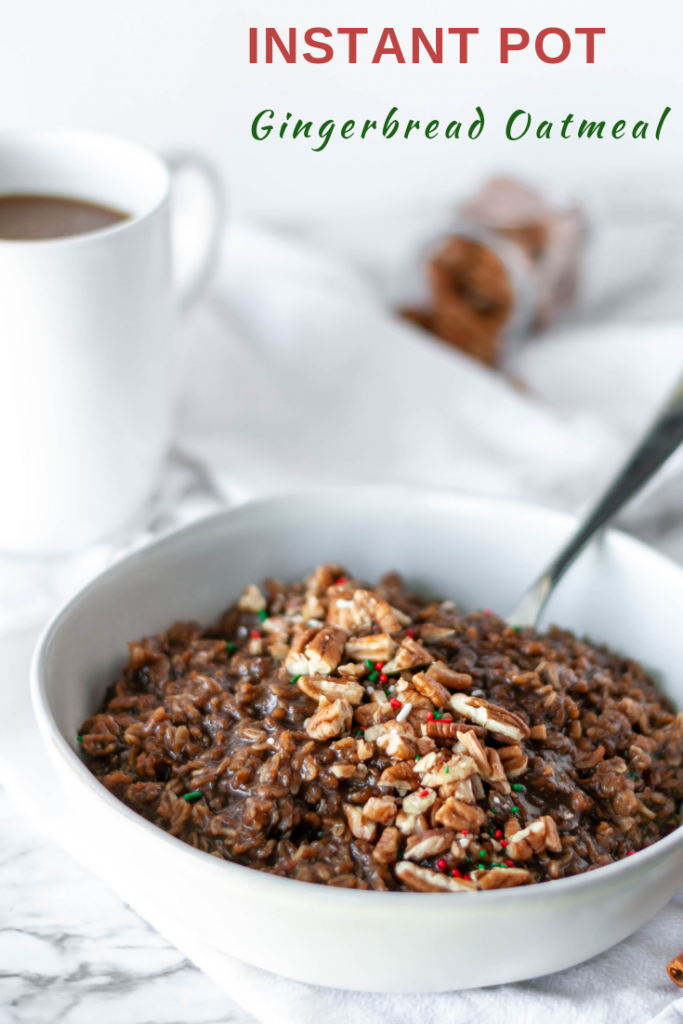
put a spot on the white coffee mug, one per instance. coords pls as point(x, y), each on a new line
point(87, 344)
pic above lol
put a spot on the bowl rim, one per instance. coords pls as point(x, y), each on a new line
point(276, 885)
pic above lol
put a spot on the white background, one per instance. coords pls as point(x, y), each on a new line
point(167, 71)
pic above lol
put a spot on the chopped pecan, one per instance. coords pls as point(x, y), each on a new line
point(348, 615)
point(343, 771)
point(426, 880)
point(432, 634)
point(429, 844)
point(321, 686)
point(538, 732)
point(409, 655)
point(379, 610)
point(380, 809)
point(400, 775)
point(379, 647)
point(330, 720)
point(441, 673)
point(502, 878)
point(539, 835)
point(435, 692)
point(440, 730)
point(514, 760)
point(583, 761)
point(386, 850)
point(397, 746)
point(361, 827)
point(474, 748)
point(460, 766)
point(411, 824)
point(491, 716)
point(419, 802)
point(324, 651)
point(364, 749)
point(458, 815)
point(252, 600)
point(352, 670)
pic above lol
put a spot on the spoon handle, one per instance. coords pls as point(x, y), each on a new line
point(663, 437)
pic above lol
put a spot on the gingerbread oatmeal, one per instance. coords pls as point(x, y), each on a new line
point(370, 739)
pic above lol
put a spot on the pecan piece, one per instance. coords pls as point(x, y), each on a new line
point(330, 720)
point(380, 809)
point(399, 775)
point(400, 747)
point(437, 694)
point(379, 647)
point(252, 600)
point(440, 730)
point(460, 766)
point(491, 716)
point(432, 634)
point(364, 749)
point(441, 673)
point(502, 878)
point(360, 826)
point(514, 760)
point(426, 880)
point(348, 615)
point(379, 610)
point(411, 824)
point(386, 850)
point(429, 844)
point(419, 802)
point(324, 651)
point(458, 815)
point(540, 835)
point(320, 686)
point(409, 655)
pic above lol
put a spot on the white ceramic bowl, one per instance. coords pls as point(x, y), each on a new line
point(481, 553)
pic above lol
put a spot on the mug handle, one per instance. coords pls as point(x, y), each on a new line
point(195, 258)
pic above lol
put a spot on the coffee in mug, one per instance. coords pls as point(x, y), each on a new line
point(31, 217)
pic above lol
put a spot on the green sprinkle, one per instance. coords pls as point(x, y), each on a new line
point(80, 739)
point(374, 676)
point(515, 810)
point(191, 797)
point(369, 664)
point(295, 679)
point(417, 757)
point(518, 787)
point(231, 647)
point(468, 860)
point(437, 716)
point(263, 614)
point(633, 775)
point(516, 628)
point(482, 853)
point(446, 770)
point(359, 733)
point(502, 864)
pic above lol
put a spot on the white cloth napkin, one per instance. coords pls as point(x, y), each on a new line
point(295, 372)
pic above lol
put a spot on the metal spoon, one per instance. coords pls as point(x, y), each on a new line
point(663, 437)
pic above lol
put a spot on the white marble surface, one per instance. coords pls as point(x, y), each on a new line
point(72, 952)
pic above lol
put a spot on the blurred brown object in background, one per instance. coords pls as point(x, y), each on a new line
point(510, 267)
point(675, 970)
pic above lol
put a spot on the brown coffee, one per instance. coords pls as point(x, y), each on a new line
point(33, 217)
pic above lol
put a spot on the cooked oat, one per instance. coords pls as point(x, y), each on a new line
point(370, 739)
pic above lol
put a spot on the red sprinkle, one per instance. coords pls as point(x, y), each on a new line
point(487, 611)
point(465, 832)
point(503, 842)
point(379, 665)
point(456, 873)
point(424, 793)
point(395, 703)
point(255, 633)
point(441, 864)
point(467, 878)
point(630, 853)
point(410, 633)
point(430, 716)
point(510, 863)
point(446, 718)
point(340, 582)
point(497, 834)
point(383, 678)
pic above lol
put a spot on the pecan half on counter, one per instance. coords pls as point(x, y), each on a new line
point(371, 739)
